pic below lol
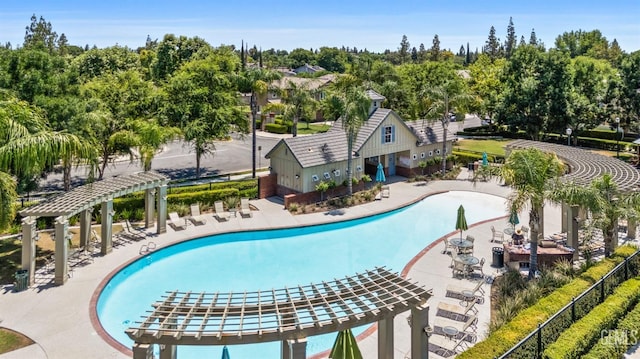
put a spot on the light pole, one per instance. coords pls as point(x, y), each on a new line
point(619, 133)
point(569, 131)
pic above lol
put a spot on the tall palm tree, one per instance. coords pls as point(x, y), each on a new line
point(151, 137)
point(438, 103)
point(532, 174)
point(356, 112)
point(606, 203)
point(28, 146)
point(255, 81)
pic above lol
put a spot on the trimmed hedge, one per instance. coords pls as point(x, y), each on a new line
point(618, 341)
point(527, 321)
point(582, 334)
point(275, 128)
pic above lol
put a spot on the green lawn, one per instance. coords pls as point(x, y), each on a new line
point(10, 340)
point(313, 128)
point(495, 147)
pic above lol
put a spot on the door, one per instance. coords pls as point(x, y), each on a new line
point(392, 164)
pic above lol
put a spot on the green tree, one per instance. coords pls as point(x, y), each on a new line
point(434, 51)
point(628, 96)
point(299, 102)
point(151, 137)
point(592, 80)
point(486, 83)
point(299, 57)
point(28, 146)
point(255, 81)
point(403, 50)
point(492, 45)
point(40, 35)
point(356, 112)
point(174, 51)
point(510, 42)
point(201, 101)
point(531, 173)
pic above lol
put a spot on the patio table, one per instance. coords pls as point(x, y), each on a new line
point(450, 332)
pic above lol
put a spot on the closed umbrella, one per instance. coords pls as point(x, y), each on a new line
point(380, 174)
point(485, 161)
point(345, 346)
point(461, 221)
point(225, 353)
point(514, 220)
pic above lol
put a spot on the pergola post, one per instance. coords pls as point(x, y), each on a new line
point(107, 227)
point(297, 349)
point(572, 230)
point(149, 207)
point(419, 340)
point(62, 250)
point(29, 246)
point(85, 227)
point(631, 228)
point(168, 351)
point(385, 337)
point(162, 209)
point(564, 209)
point(142, 351)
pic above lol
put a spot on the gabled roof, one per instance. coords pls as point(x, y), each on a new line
point(310, 83)
point(331, 146)
point(428, 133)
point(374, 96)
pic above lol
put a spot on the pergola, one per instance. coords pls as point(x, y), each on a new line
point(81, 200)
point(584, 167)
point(288, 315)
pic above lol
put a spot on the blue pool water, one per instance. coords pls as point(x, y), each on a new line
point(262, 260)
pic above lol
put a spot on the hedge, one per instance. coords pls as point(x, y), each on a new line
point(582, 334)
point(527, 321)
point(618, 341)
point(275, 128)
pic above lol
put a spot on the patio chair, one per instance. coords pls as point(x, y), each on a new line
point(448, 347)
point(177, 222)
point(221, 214)
point(496, 236)
point(385, 191)
point(479, 267)
point(455, 311)
point(245, 209)
point(447, 246)
point(525, 232)
point(471, 239)
point(459, 268)
point(196, 217)
point(132, 233)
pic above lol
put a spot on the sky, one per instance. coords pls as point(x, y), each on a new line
point(374, 25)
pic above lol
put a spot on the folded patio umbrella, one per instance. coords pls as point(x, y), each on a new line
point(345, 346)
point(461, 221)
point(485, 161)
point(380, 173)
point(514, 220)
point(225, 353)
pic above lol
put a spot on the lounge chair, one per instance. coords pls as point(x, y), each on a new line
point(196, 217)
point(221, 214)
point(245, 210)
point(177, 222)
point(449, 347)
point(456, 291)
point(470, 325)
point(455, 311)
point(131, 232)
point(385, 192)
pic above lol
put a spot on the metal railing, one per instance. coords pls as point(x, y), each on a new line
point(534, 344)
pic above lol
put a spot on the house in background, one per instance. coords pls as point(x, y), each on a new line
point(300, 163)
point(308, 69)
point(316, 86)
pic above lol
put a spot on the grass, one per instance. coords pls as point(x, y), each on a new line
point(494, 147)
point(10, 340)
point(313, 128)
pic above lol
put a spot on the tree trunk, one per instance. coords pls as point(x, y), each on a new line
point(198, 157)
point(254, 113)
point(535, 228)
point(294, 128)
point(609, 240)
point(66, 174)
point(444, 147)
point(349, 163)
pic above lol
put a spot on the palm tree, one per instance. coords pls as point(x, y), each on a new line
point(28, 146)
point(256, 81)
point(298, 99)
point(532, 174)
point(439, 103)
point(606, 203)
point(151, 137)
point(356, 112)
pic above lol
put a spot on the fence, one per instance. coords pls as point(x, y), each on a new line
point(533, 345)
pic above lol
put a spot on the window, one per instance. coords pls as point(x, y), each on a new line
point(437, 151)
point(422, 155)
point(375, 103)
point(336, 173)
point(415, 156)
point(359, 168)
point(388, 134)
point(314, 178)
point(326, 175)
point(430, 153)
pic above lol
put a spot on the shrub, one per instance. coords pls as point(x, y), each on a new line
point(575, 341)
point(275, 128)
point(617, 341)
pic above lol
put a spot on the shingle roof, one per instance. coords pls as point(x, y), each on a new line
point(331, 146)
point(374, 96)
point(428, 133)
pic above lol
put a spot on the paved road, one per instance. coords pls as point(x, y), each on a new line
point(177, 160)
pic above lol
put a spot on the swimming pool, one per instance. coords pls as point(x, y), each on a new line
point(261, 260)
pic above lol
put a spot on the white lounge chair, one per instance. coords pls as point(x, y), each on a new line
point(456, 290)
point(196, 217)
point(455, 311)
point(245, 209)
point(468, 326)
point(449, 347)
point(385, 191)
point(221, 214)
point(176, 221)
point(131, 232)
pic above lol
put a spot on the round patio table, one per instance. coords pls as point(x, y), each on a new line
point(460, 243)
point(450, 332)
point(467, 297)
point(467, 259)
point(508, 231)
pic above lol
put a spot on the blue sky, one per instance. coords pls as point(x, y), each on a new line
point(374, 24)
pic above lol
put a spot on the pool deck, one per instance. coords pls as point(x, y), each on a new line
point(57, 318)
